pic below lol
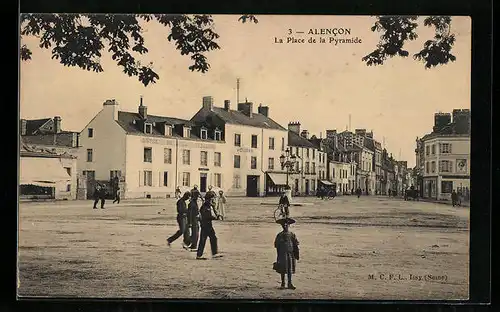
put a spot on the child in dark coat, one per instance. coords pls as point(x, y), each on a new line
point(287, 248)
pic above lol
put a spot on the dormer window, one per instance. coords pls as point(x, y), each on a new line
point(148, 128)
point(203, 134)
point(218, 135)
point(187, 132)
point(168, 130)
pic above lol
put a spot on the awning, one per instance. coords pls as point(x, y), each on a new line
point(278, 178)
point(325, 182)
point(42, 171)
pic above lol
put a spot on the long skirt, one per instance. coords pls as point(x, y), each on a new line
point(285, 263)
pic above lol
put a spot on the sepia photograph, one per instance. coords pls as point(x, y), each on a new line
point(321, 157)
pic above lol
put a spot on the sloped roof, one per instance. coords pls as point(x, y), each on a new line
point(238, 118)
point(369, 144)
point(126, 121)
point(34, 151)
point(296, 140)
point(33, 124)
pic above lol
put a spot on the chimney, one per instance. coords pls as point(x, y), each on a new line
point(246, 108)
point(305, 134)
point(263, 110)
point(74, 140)
point(23, 126)
point(441, 120)
point(227, 105)
point(57, 124)
point(331, 133)
point(208, 102)
point(113, 106)
point(294, 126)
point(361, 132)
point(143, 110)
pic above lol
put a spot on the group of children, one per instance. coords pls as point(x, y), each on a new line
point(189, 216)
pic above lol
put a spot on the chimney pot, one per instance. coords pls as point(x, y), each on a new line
point(57, 124)
point(208, 102)
point(227, 105)
point(143, 110)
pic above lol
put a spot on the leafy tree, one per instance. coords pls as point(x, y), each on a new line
point(396, 30)
point(79, 39)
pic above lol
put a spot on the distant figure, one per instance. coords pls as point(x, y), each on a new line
point(285, 201)
point(287, 249)
point(177, 192)
point(221, 205)
point(117, 196)
point(454, 198)
point(207, 229)
point(211, 193)
point(100, 194)
point(182, 221)
point(358, 192)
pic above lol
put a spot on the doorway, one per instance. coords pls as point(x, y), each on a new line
point(307, 188)
point(203, 182)
point(90, 180)
point(252, 186)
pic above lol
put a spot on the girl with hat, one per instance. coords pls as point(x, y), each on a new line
point(287, 248)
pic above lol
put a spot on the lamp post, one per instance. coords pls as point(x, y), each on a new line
point(288, 161)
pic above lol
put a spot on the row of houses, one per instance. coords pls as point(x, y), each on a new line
point(443, 157)
point(239, 150)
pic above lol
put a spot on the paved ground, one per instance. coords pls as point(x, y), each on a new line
point(68, 249)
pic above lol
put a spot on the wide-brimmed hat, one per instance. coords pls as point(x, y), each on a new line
point(285, 221)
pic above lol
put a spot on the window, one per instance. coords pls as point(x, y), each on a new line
point(313, 168)
point(237, 161)
point(115, 174)
point(204, 158)
point(186, 157)
point(446, 187)
point(271, 143)
point(217, 159)
point(68, 170)
point(307, 168)
point(185, 179)
point(333, 172)
point(236, 181)
point(427, 167)
point(165, 178)
point(91, 133)
point(167, 155)
point(90, 155)
point(218, 179)
point(445, 166)
point(148, 178)
point(68, 188)
point(203, 134)
point(253, 162)
point(187, 132)
point(282, 144)
point(427, 150)
point(307, 152)
point(218, 135)
point(433, 166)
point(254, 141)
point(148, 128)
point(148, 154)
point(270, 164)
point(444, 148)
point(237, 139)
point(433, 149)
point(296, 151)
point(168, 130)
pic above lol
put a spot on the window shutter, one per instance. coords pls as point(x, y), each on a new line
point(159, 179)
point(450, 148)
point(140, 174)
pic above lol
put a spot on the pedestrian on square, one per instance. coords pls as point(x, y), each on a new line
point(193, 217)
point(285, 201)
point(207, 229)
point(100, 195)
point(454, 198)
point(96, 195)
point(182, 212)
point(358, 192)
point(221, 206)
point(287, 249)
point(117, 196)
point(177, 192)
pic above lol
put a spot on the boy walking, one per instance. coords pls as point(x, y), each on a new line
point(207, 230)
point(182, 212)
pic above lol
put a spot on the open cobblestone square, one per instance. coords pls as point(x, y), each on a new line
point(366, 248)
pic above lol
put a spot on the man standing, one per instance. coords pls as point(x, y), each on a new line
point(207, 230)
point(193, 215)
point(117, 196)
point(182, 212)
point(454, 198)
point(99, 194)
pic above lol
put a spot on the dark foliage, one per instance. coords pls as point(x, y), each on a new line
point(396, 30)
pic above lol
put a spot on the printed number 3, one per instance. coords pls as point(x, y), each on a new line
point(289, 31)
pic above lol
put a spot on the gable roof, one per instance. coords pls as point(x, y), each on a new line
point(297, 141)
point(34, 151)
point(34, 124)
point(238, 118)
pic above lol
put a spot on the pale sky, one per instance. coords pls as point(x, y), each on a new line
point(317, 84)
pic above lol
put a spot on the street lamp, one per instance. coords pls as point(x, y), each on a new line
point(288, 161)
